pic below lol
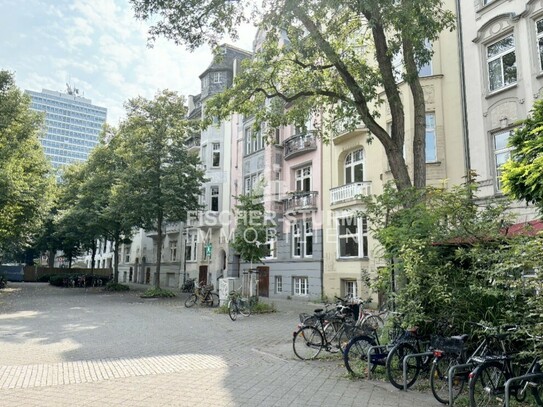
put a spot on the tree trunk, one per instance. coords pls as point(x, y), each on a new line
point(93, 255)
point(51, 259)
point(116, 258)
point(158, 251)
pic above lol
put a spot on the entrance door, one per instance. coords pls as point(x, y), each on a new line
point(202, 276)
point(263, 281)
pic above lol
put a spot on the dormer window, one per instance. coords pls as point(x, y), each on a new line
point(219, 77)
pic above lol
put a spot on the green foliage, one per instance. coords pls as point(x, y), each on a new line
point(450, 260)
point(251, 230)
point(112, 286)
point(314, 56)
point(157, 293)
point(3, 281)
point(26, 181)
point(521, 175)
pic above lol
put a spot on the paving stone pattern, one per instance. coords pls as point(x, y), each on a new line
point(77, 347)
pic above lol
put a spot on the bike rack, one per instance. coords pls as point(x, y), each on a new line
point(452, 370)
point(370, 349)
point(406, 359)
point(518, 379)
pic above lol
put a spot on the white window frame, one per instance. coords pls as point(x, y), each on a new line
point(301, 175)
point(498, 151)
point(499, 57)
point(190, 242)
point(350, 288)
point(360, 236)
point(218, 77)
point(271, 243)
point(296, 240)
point(308, 233)
point(352, 160)
point(215, 152)
point(173, 250)
point(300, 286)
point(127, 254)
point(215, 195)
point(431, 134)
point(539, 38)
point(278, 284)
point(248, 141)
point(203, 156)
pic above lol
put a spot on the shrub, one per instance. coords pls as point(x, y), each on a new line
point(111, 286)
point(157, 293)
point(3, 281)
point(44, 279)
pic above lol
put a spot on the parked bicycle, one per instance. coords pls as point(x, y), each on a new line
point(238, 305)
point(451, 351)
point(487, 381)
point(188, 285)
point(325, 329)
point(203, 295)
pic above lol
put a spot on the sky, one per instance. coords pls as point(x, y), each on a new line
point(98, 47)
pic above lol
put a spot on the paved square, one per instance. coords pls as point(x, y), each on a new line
point(77, 347)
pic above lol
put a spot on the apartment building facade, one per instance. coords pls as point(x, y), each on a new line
point(355, 167)
point(503, 61)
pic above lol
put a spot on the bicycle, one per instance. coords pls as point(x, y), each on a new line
point(320, 330)
point(355, 356)
point(238, 305)
point(203, 295)
point(487, 381)
point(449, 352)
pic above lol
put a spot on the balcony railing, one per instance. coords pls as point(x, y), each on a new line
point(299, 144)
point(349, 192)
point(193, 142)
point(301, 200)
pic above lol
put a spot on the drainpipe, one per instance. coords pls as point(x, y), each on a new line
point(465, 129)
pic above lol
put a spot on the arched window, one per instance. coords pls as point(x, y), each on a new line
point(354, 166)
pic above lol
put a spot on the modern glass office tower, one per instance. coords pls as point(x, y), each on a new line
point(73, 124)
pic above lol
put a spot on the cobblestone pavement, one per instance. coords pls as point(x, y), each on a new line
point(77, 347)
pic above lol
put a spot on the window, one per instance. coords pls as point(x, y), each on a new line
point(215, 198)
point(501, 153)
point(127, 254)
point(308, 239)
point(190, 246)
point(218, 77)
point(539, 29)
point(271, 240)
point(205, 81)
point(502, 66)
point(203, 158)
point(353, 237)
point(431, 145)
point(398, 65)
point(354, 167)
point(303, 179)
point(248, 141)
point(296, 240)
point(247, 183)
point(173, 250)
point(300, 285)
point(203, 198)
point(278, 284)
point(216, 155)
point(350, 287)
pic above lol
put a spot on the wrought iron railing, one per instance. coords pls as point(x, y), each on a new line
point(301, 200)
point(299, 144)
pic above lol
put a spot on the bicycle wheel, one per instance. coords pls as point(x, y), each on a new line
point(439, 378)
point(394, 365)
point(189, 302)
point(537, 390)
point(232, 310)
point(244, 308)
point(487, 385)
point(347, 333)
point(373, 323)
point(214, 300)
point(332, 334)
point(307, 343)
point(355, 356)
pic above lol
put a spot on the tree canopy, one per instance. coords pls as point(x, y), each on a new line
point(326, 59)
point(521, 174)
point(26, 181)
point(161, 181)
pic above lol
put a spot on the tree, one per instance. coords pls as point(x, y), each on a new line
point(521, 174)
point(251, 233)
point(26, 179)
point(161, 181)
point(319, 57)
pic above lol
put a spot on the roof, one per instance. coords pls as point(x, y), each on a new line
point(530, 228)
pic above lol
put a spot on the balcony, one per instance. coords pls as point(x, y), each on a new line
point(300, 144)
point(349, 192)
point(300, 201)
point(193, 143)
